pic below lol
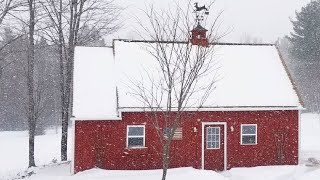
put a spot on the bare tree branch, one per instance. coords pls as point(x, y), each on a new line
point(72, 23)
point(182, 67)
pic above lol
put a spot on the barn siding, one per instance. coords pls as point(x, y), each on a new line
point(103, 143)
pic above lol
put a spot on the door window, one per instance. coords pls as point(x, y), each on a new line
point(213, 137)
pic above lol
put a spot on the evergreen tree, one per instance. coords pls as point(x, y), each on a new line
point(304, 49)
point(305, 37)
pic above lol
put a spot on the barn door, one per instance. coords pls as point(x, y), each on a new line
point(214, 147)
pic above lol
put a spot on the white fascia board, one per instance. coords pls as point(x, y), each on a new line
point(73, 130)
point(97, 118)
point(143, 109)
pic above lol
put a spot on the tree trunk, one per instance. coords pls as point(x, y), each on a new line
point(30, 83)
point(68, 84)
point(31, 146)
point(67, 103)
point(166, 159)
point(63, 90)
point(64, 137)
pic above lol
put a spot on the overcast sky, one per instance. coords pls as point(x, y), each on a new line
point(266, 19)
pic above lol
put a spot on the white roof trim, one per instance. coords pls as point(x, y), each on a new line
point(212, 109)
point(128, 109)
point(97, 118)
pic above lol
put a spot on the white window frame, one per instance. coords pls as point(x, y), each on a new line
point(207, 137)
point(144, 136)
point(256, 134)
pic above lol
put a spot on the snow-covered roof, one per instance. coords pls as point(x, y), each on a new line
point(94, 95)
point(250, 76)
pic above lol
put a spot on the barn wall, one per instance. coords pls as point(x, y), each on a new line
point(103, 143)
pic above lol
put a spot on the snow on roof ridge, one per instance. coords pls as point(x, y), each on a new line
point(180, 42)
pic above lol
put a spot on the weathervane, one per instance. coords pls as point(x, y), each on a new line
point(198, 33)
point(200, 11)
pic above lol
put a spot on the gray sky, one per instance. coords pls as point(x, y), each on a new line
point(266, 19)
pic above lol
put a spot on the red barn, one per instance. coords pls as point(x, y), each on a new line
point(252, 118)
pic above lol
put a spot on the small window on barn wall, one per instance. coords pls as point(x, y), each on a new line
point(136, 136)
point(177, 134)
point(248, 134)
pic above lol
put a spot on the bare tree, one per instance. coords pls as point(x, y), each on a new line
point(27, 14)
point(247, 38)
point(280, 137)
point(5, 54)
point(6, 6)
point(30, 81)
point(182, 67)
point(73, 22)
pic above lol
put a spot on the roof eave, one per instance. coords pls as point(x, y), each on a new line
point(221, 108)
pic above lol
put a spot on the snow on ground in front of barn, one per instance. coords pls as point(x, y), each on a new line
point(14, 151)
point(310, 140)
point(273, 173)
point(14, 160)
point(99, 174)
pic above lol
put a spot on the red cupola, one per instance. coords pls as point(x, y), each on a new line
point(198, 36)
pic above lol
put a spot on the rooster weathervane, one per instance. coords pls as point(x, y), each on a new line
point(200, 11)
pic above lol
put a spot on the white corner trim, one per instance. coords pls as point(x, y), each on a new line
point(224, 139)
point(202, 146)
point(73, 131)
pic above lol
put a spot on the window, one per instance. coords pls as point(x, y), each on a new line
point(248, 134)
point(177, 134)
point(213, 137)
point(135, 136)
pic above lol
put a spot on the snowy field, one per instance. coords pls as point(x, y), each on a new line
point(310, 142)
point(14, 161)
point(14, 151)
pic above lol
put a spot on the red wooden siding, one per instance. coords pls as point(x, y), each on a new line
point(103, 143)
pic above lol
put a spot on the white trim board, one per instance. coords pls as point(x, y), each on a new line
point(97, 118)
point(213, 109)
point(145, 109)
point(225, 142)
point(73, 131)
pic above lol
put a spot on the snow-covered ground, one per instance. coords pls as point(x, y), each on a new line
point(14, 151)
point(310, 139)
point(14, 161)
